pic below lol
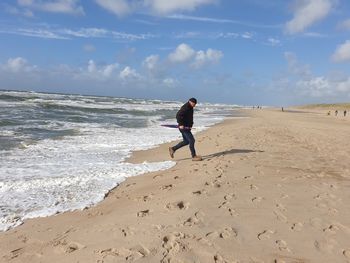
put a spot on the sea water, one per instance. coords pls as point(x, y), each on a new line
point(61, 152)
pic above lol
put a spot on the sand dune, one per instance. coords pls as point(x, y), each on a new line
point(271, 188)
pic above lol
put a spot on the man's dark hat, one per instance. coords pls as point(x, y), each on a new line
point(193, 100)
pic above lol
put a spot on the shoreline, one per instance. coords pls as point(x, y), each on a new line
point(126, 161)
point(270, 188)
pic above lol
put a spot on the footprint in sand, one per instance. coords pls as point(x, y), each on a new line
point(266, 234)
point(282, 245)
point(128, 231)
point(332, 229)
point(167, 187)
point(280, 216)
point(195, 170)
point(346, 253)
point(216, 184)
point(253, 187)
point(132, 254)
point(219, 259)
point(199, 192)
point(144, 198)
point(331, 186)
point(132, 184)
point(225, 233)
point(257, 199)
point(14, 253)
point(284, 196)
point(297, 227)
point(143, 213)
point(230, 196)
point(157, 176)
point(173, 244)
point(280, 207)
point(24, 239)
point(325, 245)
point(178, 205)
point(224, 204)
point(232, 212)
point(194, 220)
point(73, 246)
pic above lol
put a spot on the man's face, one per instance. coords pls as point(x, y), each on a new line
point(192, 104)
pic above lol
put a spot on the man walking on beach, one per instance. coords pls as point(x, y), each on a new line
point(184, 119)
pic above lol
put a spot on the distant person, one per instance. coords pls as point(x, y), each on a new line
point(336, 112)
point(329, 113)
point(184, 119)
point(345, 113)
point(282, 109)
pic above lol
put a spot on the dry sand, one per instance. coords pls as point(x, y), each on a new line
point(272, 188)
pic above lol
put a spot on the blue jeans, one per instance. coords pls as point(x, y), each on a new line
point(188, 139)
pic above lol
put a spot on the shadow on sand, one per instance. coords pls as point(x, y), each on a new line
point(232, 151)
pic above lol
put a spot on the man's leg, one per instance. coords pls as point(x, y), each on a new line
point(179, 145)
point(189, 137)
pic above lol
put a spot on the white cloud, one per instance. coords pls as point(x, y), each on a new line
point(209, 57)
point(166, 7)
point(91, 67)
point(57, 6)
point(103, 33)
point(188, 35)
point(342, 53)
point(40, 33)
point(118, 7)
point(307, 85)
point(197, 59)
point(104, 71)
point(308, 12)
point(227, 35)
point(315, 35)
point(86, 32)
point(170, 82)
point(151, 62)
point(315, 87)
point(247, 35)
point(344, 25)
point(17, 11)
point(106, 79)
point(220, 21)
point(183, 53)
point(18, 64)
point(160, 7)
point(300, 70)
point(273, 41)
point(64, 33)
point(128, 73)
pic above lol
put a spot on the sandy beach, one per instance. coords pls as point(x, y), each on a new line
point(272, 187)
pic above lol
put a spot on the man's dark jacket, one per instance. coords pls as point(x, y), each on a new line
point(185, 115)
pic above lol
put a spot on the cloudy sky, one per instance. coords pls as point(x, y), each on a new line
point(226, 51)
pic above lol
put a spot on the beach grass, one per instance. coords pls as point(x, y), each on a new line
point(326, 106)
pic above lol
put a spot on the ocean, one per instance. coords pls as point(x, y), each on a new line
point(61, 152)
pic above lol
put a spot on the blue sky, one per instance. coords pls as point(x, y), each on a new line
point(252, 52)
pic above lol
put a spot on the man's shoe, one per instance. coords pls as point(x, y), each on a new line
point(197, 158)
point(171, 152)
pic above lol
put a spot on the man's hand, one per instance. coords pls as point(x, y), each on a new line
point(181, 127)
